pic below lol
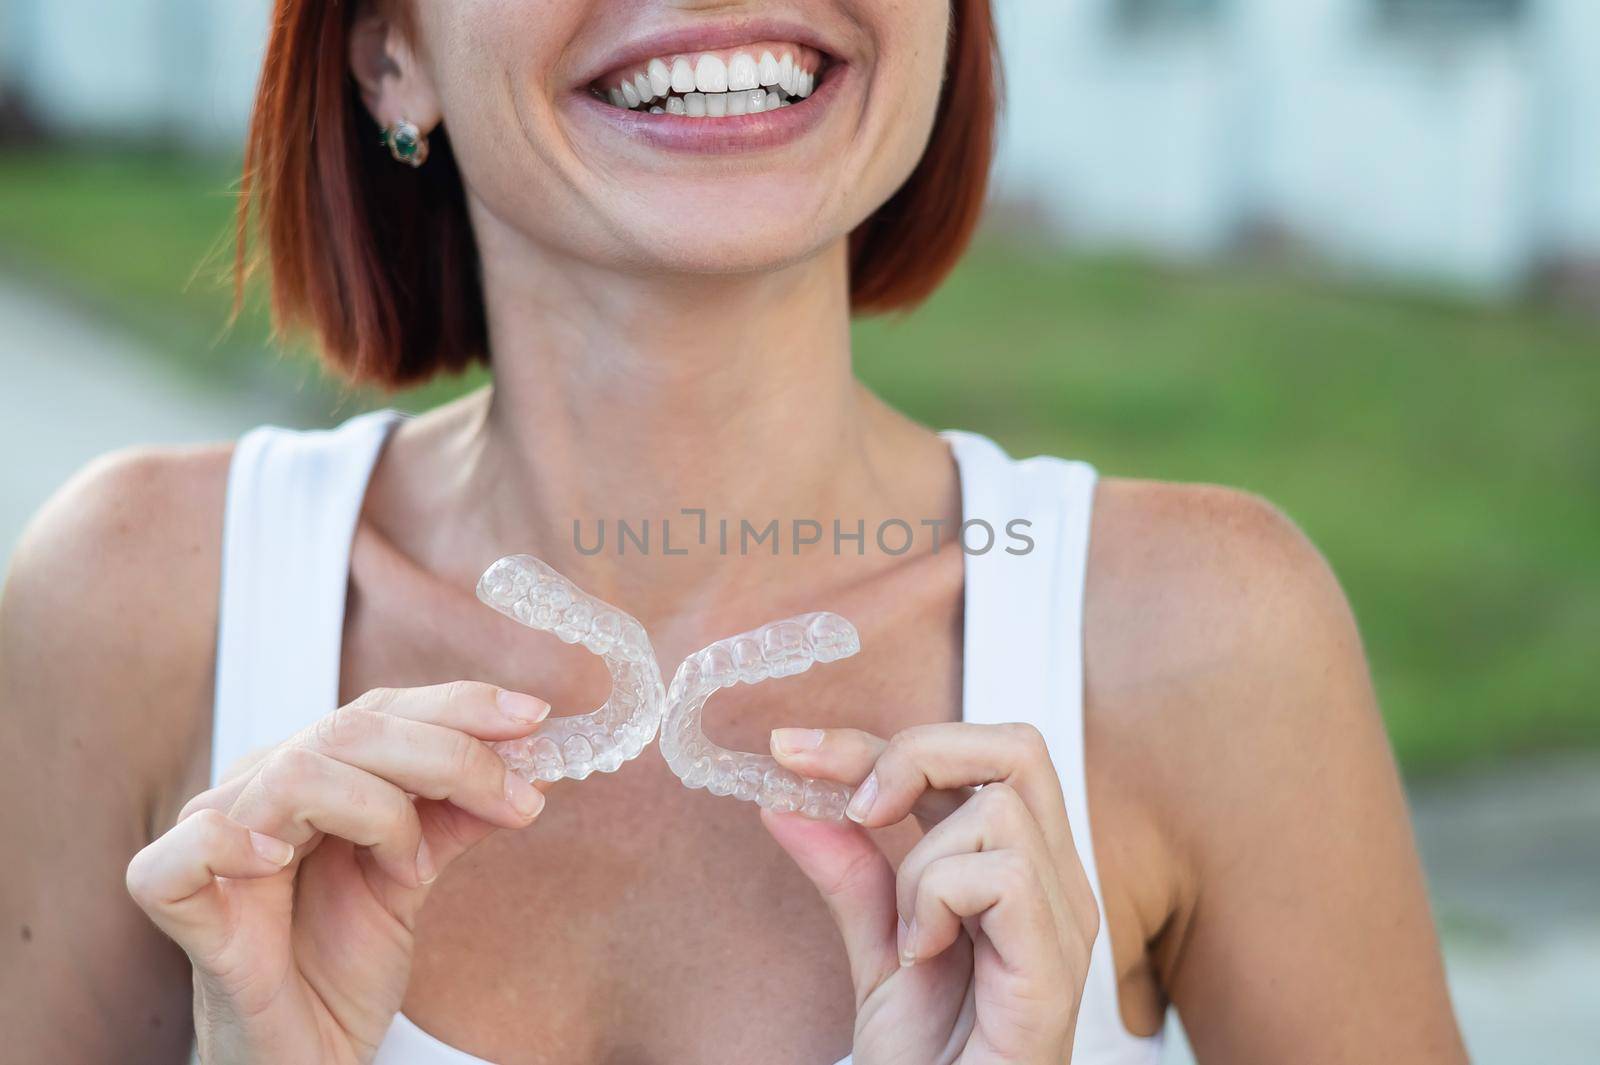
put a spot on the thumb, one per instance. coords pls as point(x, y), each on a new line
point(448, 832)
point(857, 883)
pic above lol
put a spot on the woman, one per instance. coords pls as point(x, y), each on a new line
point(660, 269)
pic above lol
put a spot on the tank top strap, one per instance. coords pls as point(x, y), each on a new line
point(293, 499)
point(1023, 660)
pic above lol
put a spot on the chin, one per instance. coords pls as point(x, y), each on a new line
point(711, 234)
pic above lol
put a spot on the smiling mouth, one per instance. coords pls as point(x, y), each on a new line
point(746, 80)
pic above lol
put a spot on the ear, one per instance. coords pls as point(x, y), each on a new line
point(393, 82)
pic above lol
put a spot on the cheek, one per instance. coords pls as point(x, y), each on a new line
point(492, 62)
point(906, 82)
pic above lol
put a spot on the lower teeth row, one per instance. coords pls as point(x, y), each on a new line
point(719, 104)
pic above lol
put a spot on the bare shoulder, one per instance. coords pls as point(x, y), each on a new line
point(1192, 584)
point(109, 606)
point(106, 623)
point(1222, 656)
point(1247, 809)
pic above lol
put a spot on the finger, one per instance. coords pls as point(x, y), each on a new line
point(843, 754)
point(481, 711)
point(230, 784)
point(959, 755)
point(857, 884)
point(425, 759)
point(448, 832)
point(1004, 891)
point(848, 756)
point(173, 878)
point(298, 792)
point(245, 764)
point(428, 760)
point(993, 819)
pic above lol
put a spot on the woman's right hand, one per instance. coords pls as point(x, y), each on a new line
point(294, 885)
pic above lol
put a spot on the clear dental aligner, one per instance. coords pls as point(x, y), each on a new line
point(781, 649)
point(716, 84)
point(530, 592)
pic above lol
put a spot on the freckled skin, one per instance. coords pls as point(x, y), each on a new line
point(672, 332)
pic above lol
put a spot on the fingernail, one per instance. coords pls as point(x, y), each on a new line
point(795, 740)
point(908, 944)
point(425, 870)
point(524, 798)
point(861, 802)
point(523, 709)
point(271, 849)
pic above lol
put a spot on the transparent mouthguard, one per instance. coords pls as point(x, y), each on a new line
point(781, 649)
point(531, 593)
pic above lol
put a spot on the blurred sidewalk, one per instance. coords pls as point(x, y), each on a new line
point(74, 389)
point(1513, 860)
point(1513, 857)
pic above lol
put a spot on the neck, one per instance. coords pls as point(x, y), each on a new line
point(620, 397)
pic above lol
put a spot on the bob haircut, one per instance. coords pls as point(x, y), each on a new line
point(392, 305)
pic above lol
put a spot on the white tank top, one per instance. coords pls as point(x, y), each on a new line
point(292, 504)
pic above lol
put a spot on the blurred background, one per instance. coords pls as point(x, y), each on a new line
point(1343, 253)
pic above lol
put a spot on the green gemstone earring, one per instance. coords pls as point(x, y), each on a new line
point(406, 143)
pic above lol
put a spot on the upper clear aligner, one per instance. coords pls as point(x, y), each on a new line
point(781, 649)
point(528, 591)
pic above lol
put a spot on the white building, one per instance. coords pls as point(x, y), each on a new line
point(1454, 139)
point(1449, 139)
point(172, 68)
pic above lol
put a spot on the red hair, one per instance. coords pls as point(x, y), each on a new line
point(379, 261)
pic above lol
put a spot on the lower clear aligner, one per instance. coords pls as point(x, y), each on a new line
point(533, 594)
point(780, 649)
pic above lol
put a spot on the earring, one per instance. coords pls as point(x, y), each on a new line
point(406, 143)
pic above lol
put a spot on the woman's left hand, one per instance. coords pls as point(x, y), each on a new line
point(977, 948)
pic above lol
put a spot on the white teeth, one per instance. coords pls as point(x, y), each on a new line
point(741, 72)
point(682, 75)
point(660, 76)
point(711, 74)
point(767, 70)
point(706, 86)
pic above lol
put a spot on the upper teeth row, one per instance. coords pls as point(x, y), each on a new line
point(710, 74)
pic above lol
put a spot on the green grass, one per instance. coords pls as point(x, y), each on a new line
point(1444, 455)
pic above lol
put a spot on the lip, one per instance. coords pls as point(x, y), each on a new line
point(713, 136)
point(708, 38)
